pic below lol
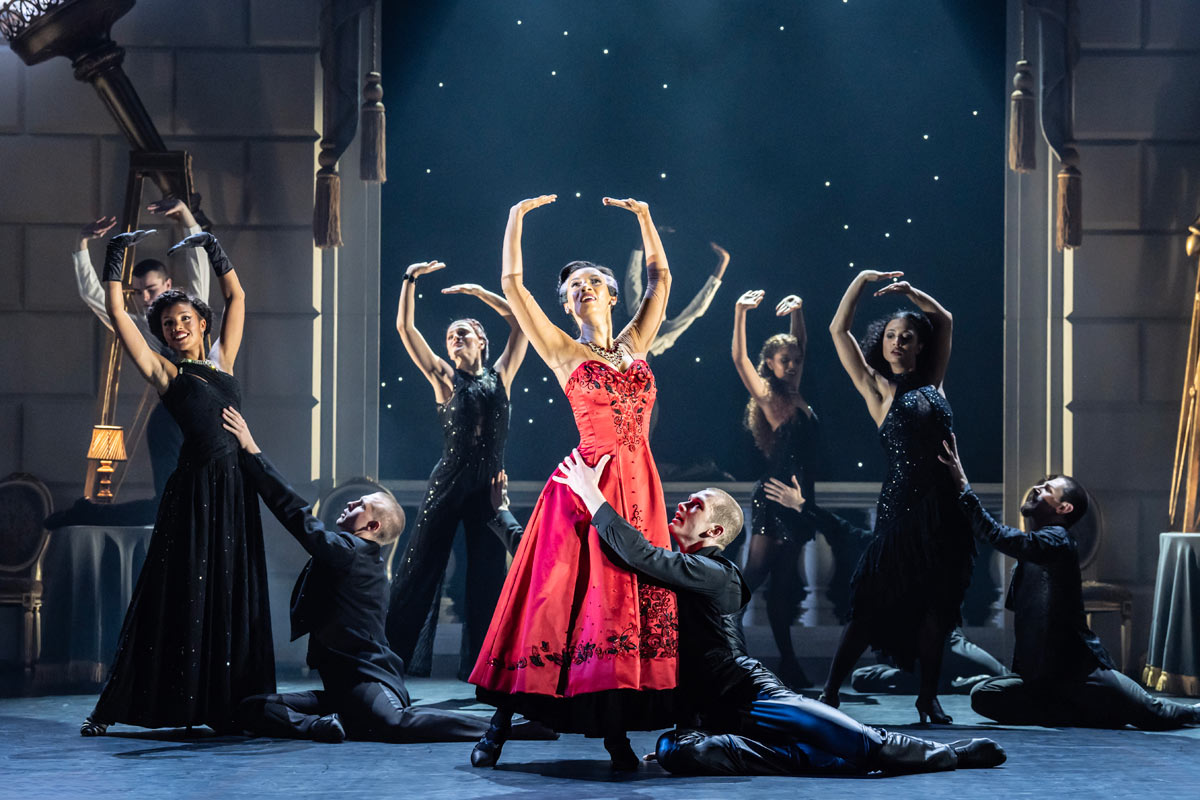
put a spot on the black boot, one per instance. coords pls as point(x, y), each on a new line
point(621, 753)
point(487, 750)
point(978, 753)
point(901, 753)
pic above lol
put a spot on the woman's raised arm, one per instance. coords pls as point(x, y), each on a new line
point(518, 343)
point(435, 369)
point(754, 383)
point(939, 317)
point(233, 321)
point(642, 329)
point(864, 377)
point(557, 349)
point(157, 370)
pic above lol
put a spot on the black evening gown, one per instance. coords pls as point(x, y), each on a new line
point(920, 559)
point(797, 451)
point(197, 635)
point(475, 429)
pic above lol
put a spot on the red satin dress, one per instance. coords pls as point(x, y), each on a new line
point(577, 641)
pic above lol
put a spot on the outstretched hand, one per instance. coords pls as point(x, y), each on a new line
point(499, 493)
point(200, 239)
point(790, 496)
point(582, 479)
point(233, 422)
point(899, 287)
point(788, 304)
point(423, 268)
point(873, 275)
point(171, 207)
point(94, 230)
point(525, 206)
point(750, 299)
point(952, 461)
point(130, 238)
point(464, 288)
point(629, 204)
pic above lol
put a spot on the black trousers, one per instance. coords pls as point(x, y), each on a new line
point(1106, 698)
point(368, 711)
point(412, 613)
point(964, 664)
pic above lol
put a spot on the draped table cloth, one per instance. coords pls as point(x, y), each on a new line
point(89, 572)
point(1173, 661)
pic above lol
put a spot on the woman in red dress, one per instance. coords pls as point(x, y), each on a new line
point(577, 642)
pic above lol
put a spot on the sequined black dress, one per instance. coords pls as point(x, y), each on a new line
point(197, 635)
point(796, 451)
point(475, 428)
point(921, 557)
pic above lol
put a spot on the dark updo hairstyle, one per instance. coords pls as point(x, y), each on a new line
point(755, 420)
point(476, 326)
point(609, 277)
point(872, 343)
point(169, 298)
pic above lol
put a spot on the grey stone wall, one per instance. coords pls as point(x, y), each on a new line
point(236, 83)
point(1114, 313)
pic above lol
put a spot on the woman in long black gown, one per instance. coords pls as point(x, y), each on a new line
point(908, 588)
point(785, 429)
point(473, 409)
point(197, 635)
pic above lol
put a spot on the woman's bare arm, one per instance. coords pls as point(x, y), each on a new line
point(641, 330)
point(435, 369)
point(754, 383)
point(560, 352)
point(518, 343)
point(939, 317)
point(864, 377)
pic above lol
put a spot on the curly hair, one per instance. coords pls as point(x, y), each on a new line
point(755, 420)
point(872, 343)
point(172, 297)
point(476, 326)
point(609, 277)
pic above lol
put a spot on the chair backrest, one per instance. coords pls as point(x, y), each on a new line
point(1089, 532)
point(25, 503)
point(330, 506)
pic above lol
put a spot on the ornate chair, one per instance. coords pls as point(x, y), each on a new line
point(24, 505)
point(1099, 597)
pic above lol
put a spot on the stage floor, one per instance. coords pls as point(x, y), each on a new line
point(43, 756)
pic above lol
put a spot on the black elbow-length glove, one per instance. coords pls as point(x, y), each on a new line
point(216, 254)
point(114, 256)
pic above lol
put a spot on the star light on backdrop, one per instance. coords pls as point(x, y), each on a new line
point(508, 123)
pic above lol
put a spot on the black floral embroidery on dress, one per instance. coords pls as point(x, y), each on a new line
point(660, 622)
point(656, 636)
point(628, 396)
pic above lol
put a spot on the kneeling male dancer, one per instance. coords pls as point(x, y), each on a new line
point(1064, 676)
point(750, 723)
point(340, 600)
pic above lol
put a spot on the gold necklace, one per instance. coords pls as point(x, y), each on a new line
point(612, 355)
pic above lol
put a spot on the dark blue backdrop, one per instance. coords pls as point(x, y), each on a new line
point(898, 106)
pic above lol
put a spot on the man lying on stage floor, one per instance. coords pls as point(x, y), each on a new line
point(1064, 676)
point(749, 722)
point(340, 601)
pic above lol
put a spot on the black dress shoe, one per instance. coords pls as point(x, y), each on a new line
point(328, 729)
